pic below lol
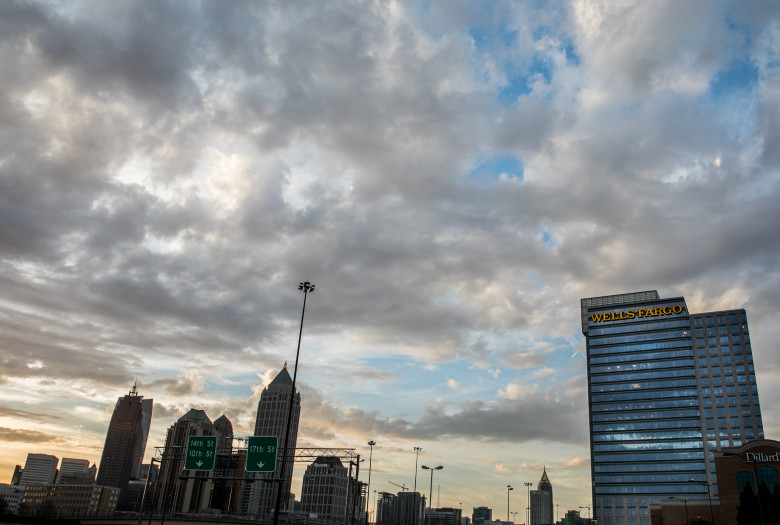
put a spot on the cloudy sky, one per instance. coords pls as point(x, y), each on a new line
point(453, 175)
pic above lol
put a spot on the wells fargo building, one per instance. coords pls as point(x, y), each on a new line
point(666, 388)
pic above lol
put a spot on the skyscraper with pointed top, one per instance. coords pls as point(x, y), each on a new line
point(125, 443)
point(542, 502)
point(271, 420)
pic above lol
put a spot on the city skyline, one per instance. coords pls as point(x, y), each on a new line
point(453, 176)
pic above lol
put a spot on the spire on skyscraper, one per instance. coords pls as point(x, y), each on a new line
point(544, 482)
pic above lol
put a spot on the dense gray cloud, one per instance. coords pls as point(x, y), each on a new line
point(169, 171)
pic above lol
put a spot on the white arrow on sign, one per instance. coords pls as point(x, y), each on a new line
point(260, 464)
point(199, 463)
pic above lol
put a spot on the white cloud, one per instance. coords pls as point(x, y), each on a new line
point(176, 169)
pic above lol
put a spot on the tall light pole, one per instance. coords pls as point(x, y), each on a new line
point(430, 492)
point(368, 488)
point(508, 488)
point(306, 288)
point(528, 508)
point(417, 456)
point(416, 510)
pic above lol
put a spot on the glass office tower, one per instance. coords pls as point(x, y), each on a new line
point(663, 395)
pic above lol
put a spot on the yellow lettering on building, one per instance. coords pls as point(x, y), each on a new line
point(636, 314)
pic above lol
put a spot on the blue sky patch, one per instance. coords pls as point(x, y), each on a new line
point(489, 169)
point(739, 76)
point(546, 238)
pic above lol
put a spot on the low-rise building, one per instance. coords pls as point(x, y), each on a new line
point(69, 500)
point(12, 495)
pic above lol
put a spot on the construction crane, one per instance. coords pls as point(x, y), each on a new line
point(403, 487)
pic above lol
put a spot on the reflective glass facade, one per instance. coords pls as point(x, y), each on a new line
point(664, 392)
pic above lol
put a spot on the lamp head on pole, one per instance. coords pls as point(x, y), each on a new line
point(306, 287)
point(426, 467)
point(371, 443)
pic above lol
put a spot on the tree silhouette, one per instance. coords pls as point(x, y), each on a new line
point(747, 512)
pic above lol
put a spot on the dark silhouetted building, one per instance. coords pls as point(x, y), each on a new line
point(125, 444)
point(179, 490)
point(481, 515)
point(408, 509)
point(444, 516)
point(324, 489)
point(76, 472)
point(384, 508)
point(17, 475)
point(272, 411)
point(62, 501)
point(542, 502)
point(229, 466)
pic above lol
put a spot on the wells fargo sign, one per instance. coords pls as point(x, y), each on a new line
point(637, 314)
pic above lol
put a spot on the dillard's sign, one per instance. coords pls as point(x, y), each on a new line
point(752, 457)
point(636, 314)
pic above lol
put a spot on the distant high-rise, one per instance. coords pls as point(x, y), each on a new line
point(224, 429)
point(39, 469)
point(125, 441)
point(408, 509)
point(76, 472)
point(272, 410)
point(481, 515)
point(384, 508)
point(324, 489)
point(193, 493)
point(542, 502)
point(228, 466)
point(70, 466)
point(666, 389)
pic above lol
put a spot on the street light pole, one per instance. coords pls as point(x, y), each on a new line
point(416, 510)
point(368, 488)
point(306, 288)
point(417, 456)
point(430, 492)
point(508, 488)
point(528, 508)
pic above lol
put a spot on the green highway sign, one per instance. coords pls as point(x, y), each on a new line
point(261, 454)
point(201, 453)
